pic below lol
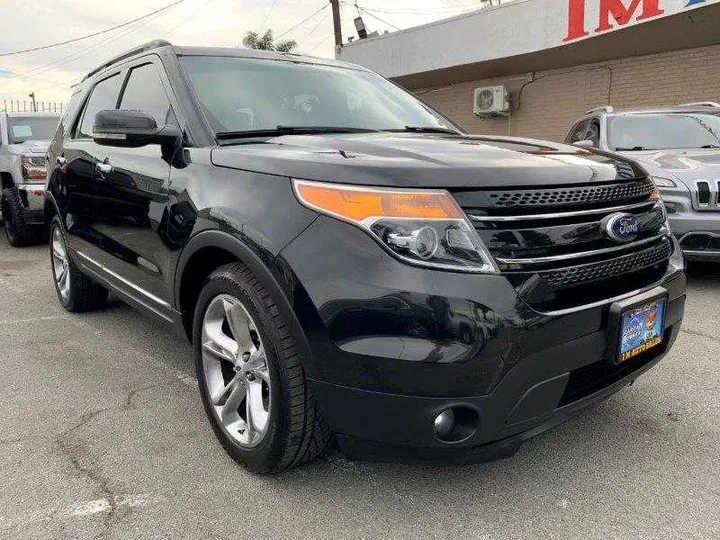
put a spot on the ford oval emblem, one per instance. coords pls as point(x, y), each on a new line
point(621, 227)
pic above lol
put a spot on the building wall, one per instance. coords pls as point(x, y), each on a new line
point(510, 29)
point(551, 104)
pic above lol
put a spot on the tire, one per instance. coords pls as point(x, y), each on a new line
point(287, 431)
point(76, 292)
point(18, 232)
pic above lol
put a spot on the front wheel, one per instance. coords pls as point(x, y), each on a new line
point(76, 291)
point(18, 232)
point(250, 375)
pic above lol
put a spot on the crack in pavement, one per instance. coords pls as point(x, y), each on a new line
point(16, 440)
point(700, 334)
point(79, 457)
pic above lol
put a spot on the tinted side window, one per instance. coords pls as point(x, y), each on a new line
point(104, 96)
point(145, 92)
point(578, 132)
point(593, 133)
point(68, 119)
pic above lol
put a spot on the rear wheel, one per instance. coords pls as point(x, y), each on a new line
point(76, 291)
point(251, 379)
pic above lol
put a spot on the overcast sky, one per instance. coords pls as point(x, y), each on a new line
point(193, 22)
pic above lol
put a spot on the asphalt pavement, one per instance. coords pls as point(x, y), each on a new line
point(102, 435)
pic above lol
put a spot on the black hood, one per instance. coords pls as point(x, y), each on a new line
point(421, 160)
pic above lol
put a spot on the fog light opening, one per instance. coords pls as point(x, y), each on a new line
point(444, 423)
point(455, 424)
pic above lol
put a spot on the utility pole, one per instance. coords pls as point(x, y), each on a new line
point(336, 23)
point(31, 95)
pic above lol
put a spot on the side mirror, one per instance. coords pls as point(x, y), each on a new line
point(132, 129)
point(587, 143)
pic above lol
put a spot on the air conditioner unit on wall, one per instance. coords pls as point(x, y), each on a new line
point(491, 101)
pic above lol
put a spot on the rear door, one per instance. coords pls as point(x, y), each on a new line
point(78, 197)
point(133, 194)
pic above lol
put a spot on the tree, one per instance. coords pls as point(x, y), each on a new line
point(253, 41)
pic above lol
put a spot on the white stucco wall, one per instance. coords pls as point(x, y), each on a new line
point(514, 28)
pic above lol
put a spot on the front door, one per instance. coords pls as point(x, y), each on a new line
point(134, 193)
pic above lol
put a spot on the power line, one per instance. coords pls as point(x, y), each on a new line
point(320, 43)
point(417, 11)
point(43, 47)
point(90, 50)
point(86, 51)
point(33, 74)
point(67, 59)
point(369, 12)
point(267, 14)
point(286, 32)
point(322, 20)
point(202, 6)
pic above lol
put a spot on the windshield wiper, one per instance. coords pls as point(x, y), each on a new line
point(710, 146)
point(288, 130)
point(424, 129)
point(633, 149)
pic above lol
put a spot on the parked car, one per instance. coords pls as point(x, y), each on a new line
point(680, 147)
point(24, 138)
point(348, 263)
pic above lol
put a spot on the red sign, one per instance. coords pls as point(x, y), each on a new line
point(612, 14)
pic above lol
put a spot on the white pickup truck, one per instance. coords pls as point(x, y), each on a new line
point(24, 140)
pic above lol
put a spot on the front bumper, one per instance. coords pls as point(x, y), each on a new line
point(702, 245)
point(697, 232)
point(32, 197)
point(546, 390)
point(392, 346)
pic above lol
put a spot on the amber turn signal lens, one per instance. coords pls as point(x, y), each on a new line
point(360, 204)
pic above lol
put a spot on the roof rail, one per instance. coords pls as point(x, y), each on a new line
point(156, 44)
point(605, 108)
point(702, 104)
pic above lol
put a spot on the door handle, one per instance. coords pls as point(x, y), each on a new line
point(104, 168)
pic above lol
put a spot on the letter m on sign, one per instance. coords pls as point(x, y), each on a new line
point(623, 15)
point(621, 11)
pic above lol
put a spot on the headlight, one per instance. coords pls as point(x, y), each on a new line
point(668, 208)
point(664, 182)
point(422, 227)
point(33, 168)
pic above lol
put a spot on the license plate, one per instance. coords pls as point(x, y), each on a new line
point(641, 328)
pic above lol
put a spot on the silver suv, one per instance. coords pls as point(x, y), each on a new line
point(24, 139)
point(680, 147)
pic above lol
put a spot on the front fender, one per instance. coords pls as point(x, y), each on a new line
point(10, 164)
point(277, 279)
point(52, 208)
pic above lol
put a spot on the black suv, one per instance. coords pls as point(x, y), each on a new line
point(348, 263)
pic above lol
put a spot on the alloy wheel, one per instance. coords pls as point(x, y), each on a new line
point(236, 371)
point(61, 264)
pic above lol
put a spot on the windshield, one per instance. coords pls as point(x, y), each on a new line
point(21, 129)
point(240, 94)
point(664, 131)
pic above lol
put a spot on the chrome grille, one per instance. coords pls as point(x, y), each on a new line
point(704, 193)
point(706, 196)
point(556, 236)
